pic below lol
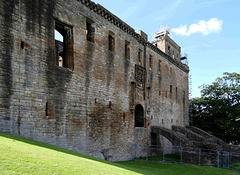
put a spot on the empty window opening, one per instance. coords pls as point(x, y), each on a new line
point(171, 120)
point(170, 91)
point(140, 56)
point(127, 50)
point(124, 116)
point(150, 62)
point(111, 42)
point(90, 30)
point(149, 92)
point(139, 116)
point(162, 121)
point(173, 55)
point(159, 66)
point(155, 139)
point(46, 109)
point(110, 104)
point(22, 45)
point(168, 49)
point(59, 48)
point(63, 45)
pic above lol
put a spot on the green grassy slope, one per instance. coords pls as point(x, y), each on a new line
point(236, 166)
point(23, 156)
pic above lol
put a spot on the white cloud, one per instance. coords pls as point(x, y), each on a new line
point(213, 25)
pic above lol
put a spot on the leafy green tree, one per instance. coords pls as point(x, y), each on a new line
point(217, 111)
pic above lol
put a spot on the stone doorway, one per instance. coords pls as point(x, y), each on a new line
point(139, 116)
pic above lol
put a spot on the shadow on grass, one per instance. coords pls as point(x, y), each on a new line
point(63, 150)
point(140, 167)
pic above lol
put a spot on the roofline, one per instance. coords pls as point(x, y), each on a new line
point(100, 10)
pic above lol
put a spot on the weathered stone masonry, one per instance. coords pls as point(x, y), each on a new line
point(113, 86)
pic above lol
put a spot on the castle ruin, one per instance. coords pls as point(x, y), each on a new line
point(99, 91)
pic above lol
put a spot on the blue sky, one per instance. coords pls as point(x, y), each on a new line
point(208, 31)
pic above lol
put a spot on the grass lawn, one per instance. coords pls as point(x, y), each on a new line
point(236, 166)
point(23, 156)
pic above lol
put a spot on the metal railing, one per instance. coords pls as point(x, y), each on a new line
point(184, 155)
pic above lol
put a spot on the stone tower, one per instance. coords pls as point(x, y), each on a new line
point(167, 45)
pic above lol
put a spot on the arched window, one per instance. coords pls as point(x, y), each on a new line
point(139, 116)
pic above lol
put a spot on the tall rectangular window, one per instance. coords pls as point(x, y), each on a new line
point(127, 50)
point(63, 46)
point(169, 50)
point(170, 91)
point(90, 30)
point(159, 66)
point(111, 41)
point(140, 56)
point(151, 62)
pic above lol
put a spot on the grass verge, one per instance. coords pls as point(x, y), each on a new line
point(236, 166)
point(24, 156)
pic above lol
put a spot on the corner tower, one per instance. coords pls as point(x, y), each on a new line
point(167, 45)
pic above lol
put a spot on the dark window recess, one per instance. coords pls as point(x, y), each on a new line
point(111, 42)
point(150, 62)
point(124, 116)
point(139, 56)
point(127, 50)
point(154, 139)
point(90, 31)
point(139, 116)
point(170, 91)
point(110, 104)
point(168, 49)
point(64, 45)
point(46, 110)
point(159, 66)
point(22, 45)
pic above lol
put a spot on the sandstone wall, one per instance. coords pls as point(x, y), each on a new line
point(88, 107)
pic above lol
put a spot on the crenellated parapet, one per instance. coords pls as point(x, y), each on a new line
point(100, 10)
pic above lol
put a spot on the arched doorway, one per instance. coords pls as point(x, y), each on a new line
point(139, 116)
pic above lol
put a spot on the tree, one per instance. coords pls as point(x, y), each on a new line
point(217, 111)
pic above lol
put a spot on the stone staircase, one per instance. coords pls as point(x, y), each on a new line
point(193, 137)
